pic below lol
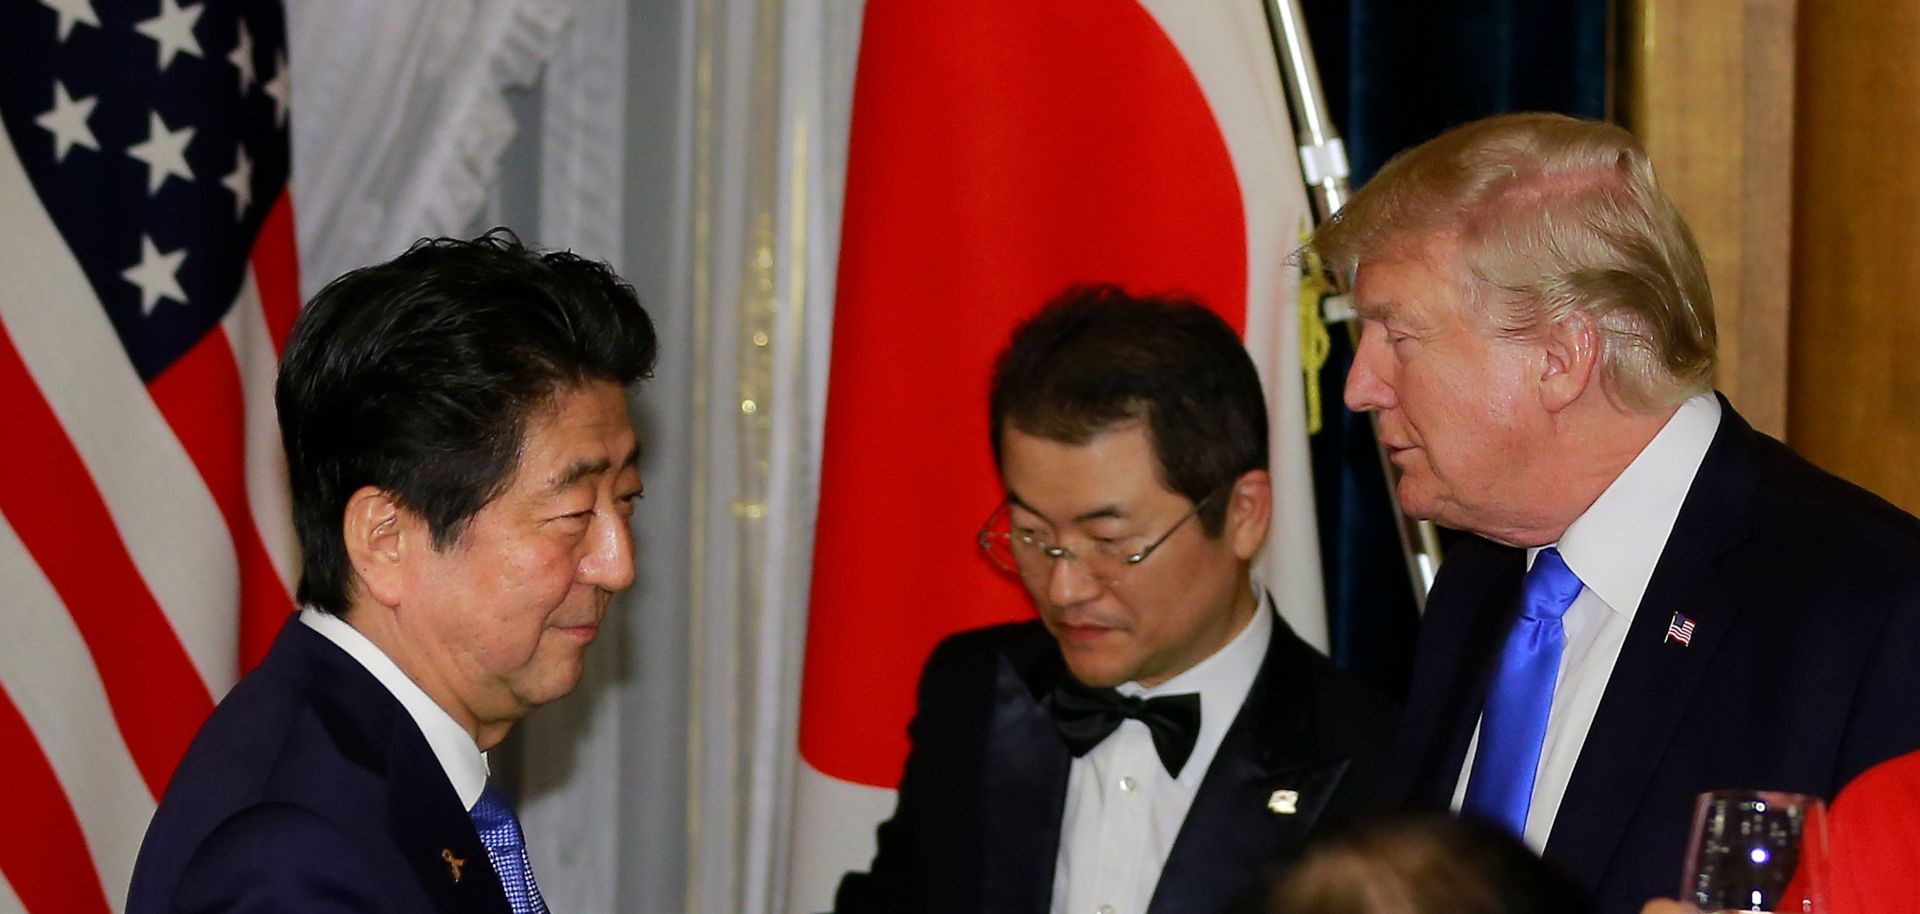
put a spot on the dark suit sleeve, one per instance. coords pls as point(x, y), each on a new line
point(278, 858)
point(897, 880)
point(1883, 722)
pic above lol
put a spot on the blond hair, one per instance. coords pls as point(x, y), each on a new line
point(1551, 216)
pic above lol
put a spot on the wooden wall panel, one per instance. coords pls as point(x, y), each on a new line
point(1855, 362)
point(1709, 86)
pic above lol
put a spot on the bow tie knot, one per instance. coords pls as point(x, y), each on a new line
point(1086, 716)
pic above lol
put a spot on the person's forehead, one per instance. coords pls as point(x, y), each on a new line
point(1416, 276)
point(1102, 475)
point(582, 433)
point(585, 468)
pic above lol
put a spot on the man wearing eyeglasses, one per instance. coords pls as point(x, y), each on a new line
point(1157, 734)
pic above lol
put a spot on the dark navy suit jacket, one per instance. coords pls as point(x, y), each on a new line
point(1802, 672)
point(310, 789)
point(977, 828)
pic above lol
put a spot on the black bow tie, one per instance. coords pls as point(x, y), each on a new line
point(1086, 716)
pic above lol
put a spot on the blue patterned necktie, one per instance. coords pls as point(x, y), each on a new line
point(507, 851)
point(1513, 725)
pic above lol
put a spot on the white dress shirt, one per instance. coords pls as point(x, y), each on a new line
point(460, 757)
point(1123, 810)
point(1613, 549)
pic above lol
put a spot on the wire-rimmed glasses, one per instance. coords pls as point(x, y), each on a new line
point(1022, 552)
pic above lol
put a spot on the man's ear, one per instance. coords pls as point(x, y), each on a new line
point(1572, 356)
point(375, 550)
point(1249, 510)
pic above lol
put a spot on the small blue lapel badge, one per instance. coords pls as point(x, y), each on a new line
point(1680, 630)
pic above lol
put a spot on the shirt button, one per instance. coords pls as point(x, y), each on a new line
point(1126, 786)
point(1103, 909)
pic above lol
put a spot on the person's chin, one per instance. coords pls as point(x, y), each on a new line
point(1416, 498)
point(557, 680)
point(1097, 669)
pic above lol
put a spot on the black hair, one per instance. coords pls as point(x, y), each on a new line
point(1096, 357)
point(418, 377)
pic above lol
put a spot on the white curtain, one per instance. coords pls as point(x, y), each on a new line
point(399, 117)
point(764, 148)
point(699, 145)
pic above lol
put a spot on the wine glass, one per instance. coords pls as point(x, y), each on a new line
point(1757, 850)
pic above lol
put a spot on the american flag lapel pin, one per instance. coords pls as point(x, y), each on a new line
point(1679, 630)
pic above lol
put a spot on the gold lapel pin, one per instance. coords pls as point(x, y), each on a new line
point(453, 863)
point(1284, 802)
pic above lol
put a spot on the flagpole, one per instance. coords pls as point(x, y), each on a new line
point(1323, 164)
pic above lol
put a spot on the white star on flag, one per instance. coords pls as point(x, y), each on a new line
point(165, 152)
point(280, 90)
point(240, 181)
point(157, 276)
point(173, 30)
point(242, 59)
point(68, 122)
point(72, 12)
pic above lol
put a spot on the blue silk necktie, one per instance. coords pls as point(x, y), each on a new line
point(507, 851)
point(1513, 724)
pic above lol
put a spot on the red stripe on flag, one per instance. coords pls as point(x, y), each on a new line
point(200, 397)
point(276, 275)
point(276, 270)
point(42, 850)
point(47, 495)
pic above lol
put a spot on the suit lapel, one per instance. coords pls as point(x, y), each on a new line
point(434, 832)
point(1654, 680)
point(1468, 617)
point(1267, 785)
point(1023, 786)
point(429, 825)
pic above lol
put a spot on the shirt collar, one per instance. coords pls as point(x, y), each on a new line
point(1614, 546)
point(462, 760)
point(1223, 679)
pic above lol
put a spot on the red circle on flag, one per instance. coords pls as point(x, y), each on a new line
point(1000, 152)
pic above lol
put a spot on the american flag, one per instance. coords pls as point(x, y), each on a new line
point(1680, 629)
point(147, 283)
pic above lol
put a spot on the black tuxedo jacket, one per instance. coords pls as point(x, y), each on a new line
point(310, 789)
point(977, 828)
point(1803, 669)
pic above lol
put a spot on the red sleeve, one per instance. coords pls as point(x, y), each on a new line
point(1874, 834)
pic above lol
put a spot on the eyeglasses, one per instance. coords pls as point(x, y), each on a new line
point(1023, 552)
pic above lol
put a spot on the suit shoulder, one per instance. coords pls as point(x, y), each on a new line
point(1809, 498)
point(957, 683)
point(269, 743)
point(1344, 696)
point(246, 741)
point(278, 856)
point(979, 648)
